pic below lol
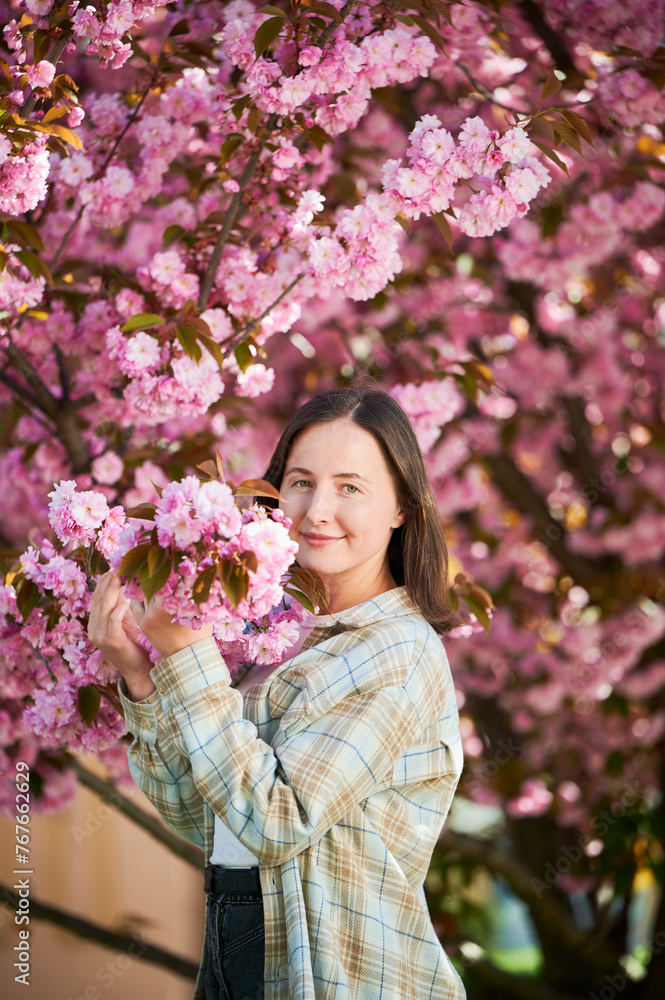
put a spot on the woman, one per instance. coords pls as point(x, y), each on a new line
point(324, 782)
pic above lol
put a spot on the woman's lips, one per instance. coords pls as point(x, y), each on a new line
point(320, 541)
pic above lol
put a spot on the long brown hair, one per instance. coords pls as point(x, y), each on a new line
point(417, 553)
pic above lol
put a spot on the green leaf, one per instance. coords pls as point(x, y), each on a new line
point(567, 135)
point(301, 599)
point(132, 561)
point(234, 580)
point(143, 511)
point(36, 266)
point(187, 337)
point(213, 348)
point(229, 147)
point(41, 41)
point(27, 234)
point(257, 488)
point(171, 234)
point(181, 28)
point(138, 51)
point(429, 30)
point(578, 123)
point(240, 105)
point(479, 611)
point(269, 9)
point(202, 585)
point(244, 356)
point(27, 598)
point(267, 33)
point(325, 10)
point(309, 583)
point(444, 228)
point(88, 700)
point(156, 557)
point(551, 155)
point(318, 136)
point(552, 86)
point(254, 119)
point(249, 560)
point(541, 125)
point(151, 583)
point(141, 321)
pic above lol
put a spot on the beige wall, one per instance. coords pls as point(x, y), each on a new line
point(118, 876)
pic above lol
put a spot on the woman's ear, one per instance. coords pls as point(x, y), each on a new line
point(398, 519)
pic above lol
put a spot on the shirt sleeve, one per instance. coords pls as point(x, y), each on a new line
point(279, 799)
point(160, 770)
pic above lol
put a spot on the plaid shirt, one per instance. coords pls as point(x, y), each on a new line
point(337, 772)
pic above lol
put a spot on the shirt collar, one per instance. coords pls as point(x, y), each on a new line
point(387, 605)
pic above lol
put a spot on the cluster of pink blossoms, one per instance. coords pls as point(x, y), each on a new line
point(503, 166)
point(346, 69)
point(105, 27)
point(204, 536)
point(18, 287)
point(23, 177)
point(164, 381)
point(203, 521)
point(166, 275)
point(429, 407)
point(362, 254)
point(592, 232)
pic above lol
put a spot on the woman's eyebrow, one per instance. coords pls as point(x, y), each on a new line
point(337, 475)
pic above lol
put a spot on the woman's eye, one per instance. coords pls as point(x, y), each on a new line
point(301, 482)
point(350, 486)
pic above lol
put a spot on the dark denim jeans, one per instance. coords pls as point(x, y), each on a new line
point(236, 947)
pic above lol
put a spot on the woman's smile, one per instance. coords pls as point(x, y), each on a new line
point(319, 541)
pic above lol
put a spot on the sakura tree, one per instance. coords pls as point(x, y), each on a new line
point(210, 211)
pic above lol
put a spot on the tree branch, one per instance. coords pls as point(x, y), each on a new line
point(77, 218)
point(43, 397)
point(19, 389)
point(581, 454)
point(549, 914)
point(505, 984)
point(333, 26)
point(518, 488)
point(250, 167)
point(61, 411)
point(134, 946)
point(53, 57)
point(486, 93)
point(533, 14)
point(250, 327)
point(190, 853)
point(230, 218)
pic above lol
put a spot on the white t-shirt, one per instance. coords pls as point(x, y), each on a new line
point(227, 850)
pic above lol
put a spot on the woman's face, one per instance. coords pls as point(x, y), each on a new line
point(339, 493)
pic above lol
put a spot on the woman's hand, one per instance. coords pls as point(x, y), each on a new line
point(112, 629)
point(166, 636)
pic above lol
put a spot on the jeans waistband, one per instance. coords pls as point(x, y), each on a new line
point(245, 881)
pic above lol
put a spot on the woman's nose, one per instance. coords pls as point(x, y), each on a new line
point(320, 508)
